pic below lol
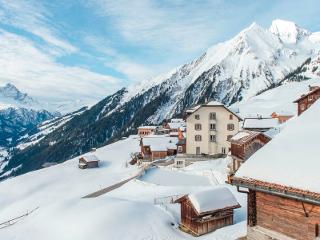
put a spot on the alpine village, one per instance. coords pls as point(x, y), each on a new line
point(225, 147)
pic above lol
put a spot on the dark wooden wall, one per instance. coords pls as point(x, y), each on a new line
point(190, 219)
point(287, 216)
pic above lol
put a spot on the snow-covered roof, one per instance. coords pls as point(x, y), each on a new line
point(246, 135)
point(265, 123)
point(90, 158)
point(240, 135)
point(147, 127)
point(193, 109)
point(160, 142)
point(177, 120)
point(292, 157)
point(176, 125)
point(214, 103)
point(213, 200)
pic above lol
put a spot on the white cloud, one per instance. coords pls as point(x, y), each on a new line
point(31, 16)
point(38, 74)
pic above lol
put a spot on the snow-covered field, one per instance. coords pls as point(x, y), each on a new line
point(128, 212)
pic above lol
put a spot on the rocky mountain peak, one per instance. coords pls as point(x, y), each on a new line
point(287, 31)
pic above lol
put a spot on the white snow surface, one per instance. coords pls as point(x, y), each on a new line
point(125, 213)
point(292, 157)
point(252, 123)
point(287, 31)
point(213, 199)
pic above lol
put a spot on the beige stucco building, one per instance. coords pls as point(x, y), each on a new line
point(209, 127)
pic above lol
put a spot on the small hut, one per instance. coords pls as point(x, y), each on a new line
point(206, 211)
point(89, 161)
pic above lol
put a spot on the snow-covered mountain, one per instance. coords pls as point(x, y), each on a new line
point(252, 62)
point(18, 114)
point(10, 96)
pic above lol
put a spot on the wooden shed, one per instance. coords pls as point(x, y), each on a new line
point(244, 144)
point(89, 161)
point(206, 211)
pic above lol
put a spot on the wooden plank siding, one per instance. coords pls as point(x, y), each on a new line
point(199, 225)
point(287, 216)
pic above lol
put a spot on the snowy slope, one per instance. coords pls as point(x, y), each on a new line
point(294, 151)
point(254, 60)
point(128, 212)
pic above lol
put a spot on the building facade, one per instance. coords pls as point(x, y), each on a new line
point(306, 100)
point(209, 127)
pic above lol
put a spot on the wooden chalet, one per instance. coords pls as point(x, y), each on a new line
point(158, 146)
point(282, 117)
point(282, 182)
point(206, 211)
point(259, 124)
point(146, 130)
point(89, 161)
point(243, 145)
point(306, 100)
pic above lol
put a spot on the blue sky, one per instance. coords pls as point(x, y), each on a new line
point(89, 49)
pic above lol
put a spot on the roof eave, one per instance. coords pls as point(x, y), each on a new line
point(275, 189)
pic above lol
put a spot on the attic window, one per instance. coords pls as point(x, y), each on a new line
point(197, 117)
point(310, 97)
point(230, 117)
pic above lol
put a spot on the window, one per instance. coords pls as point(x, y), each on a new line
point(213, 138)
point(302, 107)
point(197, 127)
point(230, 126)
point(212, 127)
point(212, 116)
point(230, 117)
point(180, 149)
point(197, 117)
point(198, 138)
point(316, 230)
point(223, 150)
point(310, 97)
point(229, 137)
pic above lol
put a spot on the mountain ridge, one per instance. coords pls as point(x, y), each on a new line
point(229, 72)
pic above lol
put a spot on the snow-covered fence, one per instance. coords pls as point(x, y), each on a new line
point(16, 219)
point(167, 199)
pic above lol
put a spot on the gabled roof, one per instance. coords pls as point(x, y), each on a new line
point(160, 142)
point(245, 136)
point(211, 104)
point(148, 127)
point(292, 158)
point(212, 200)
point(308, 94)
point(90, 158)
